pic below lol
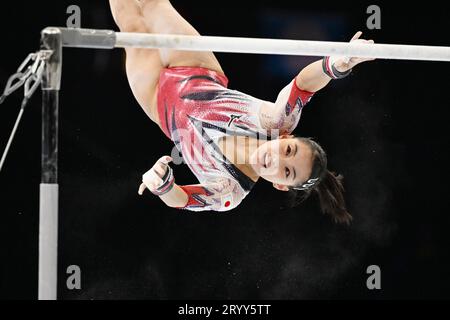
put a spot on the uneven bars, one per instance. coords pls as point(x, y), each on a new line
point(107, 39)
point(54, 39)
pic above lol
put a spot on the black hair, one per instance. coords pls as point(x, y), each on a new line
point(326, 184)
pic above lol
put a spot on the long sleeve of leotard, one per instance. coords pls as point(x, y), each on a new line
point(285, 114)
point(215, 195)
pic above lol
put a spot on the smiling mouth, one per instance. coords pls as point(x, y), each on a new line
point(262, 160)
point(266, 160)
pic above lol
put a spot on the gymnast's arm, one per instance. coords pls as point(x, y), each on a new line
point(217, 195)
point(312, 78)
point(285, 113)
point(318, 74)
point(160, 181)
point(214, 196)
point(206, 197)
point(176, 198)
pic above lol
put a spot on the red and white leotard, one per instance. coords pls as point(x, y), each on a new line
point(196, 110)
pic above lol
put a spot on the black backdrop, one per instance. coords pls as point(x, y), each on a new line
point(384, 128)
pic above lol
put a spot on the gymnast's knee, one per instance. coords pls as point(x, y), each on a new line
point(133, 24)
point(149, 5)
point(128, 16)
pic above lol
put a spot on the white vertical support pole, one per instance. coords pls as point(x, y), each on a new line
point(48, 209)
point(48, 241)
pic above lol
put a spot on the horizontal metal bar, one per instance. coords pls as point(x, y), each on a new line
point(88, 38)
point(105, 39)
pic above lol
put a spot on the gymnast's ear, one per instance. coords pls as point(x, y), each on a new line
point(281, 187)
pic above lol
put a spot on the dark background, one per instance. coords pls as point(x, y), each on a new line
point(384, 128)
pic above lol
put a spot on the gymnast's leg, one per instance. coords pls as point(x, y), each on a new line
point(161, 17)
point(144, 65)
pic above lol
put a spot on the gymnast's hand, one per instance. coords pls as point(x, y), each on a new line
point(159, 179)
point(344, 64)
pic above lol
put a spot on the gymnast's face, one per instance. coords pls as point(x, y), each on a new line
point(286, 162)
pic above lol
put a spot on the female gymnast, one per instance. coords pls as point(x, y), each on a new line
point(227, 138)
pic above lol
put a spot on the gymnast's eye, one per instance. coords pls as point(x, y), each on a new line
point(287, 171)
point(288, 150)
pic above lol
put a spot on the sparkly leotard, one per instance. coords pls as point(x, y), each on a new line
point(196, 110)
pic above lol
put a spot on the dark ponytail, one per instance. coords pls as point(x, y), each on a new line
point(331, 196)
point(326, 184)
